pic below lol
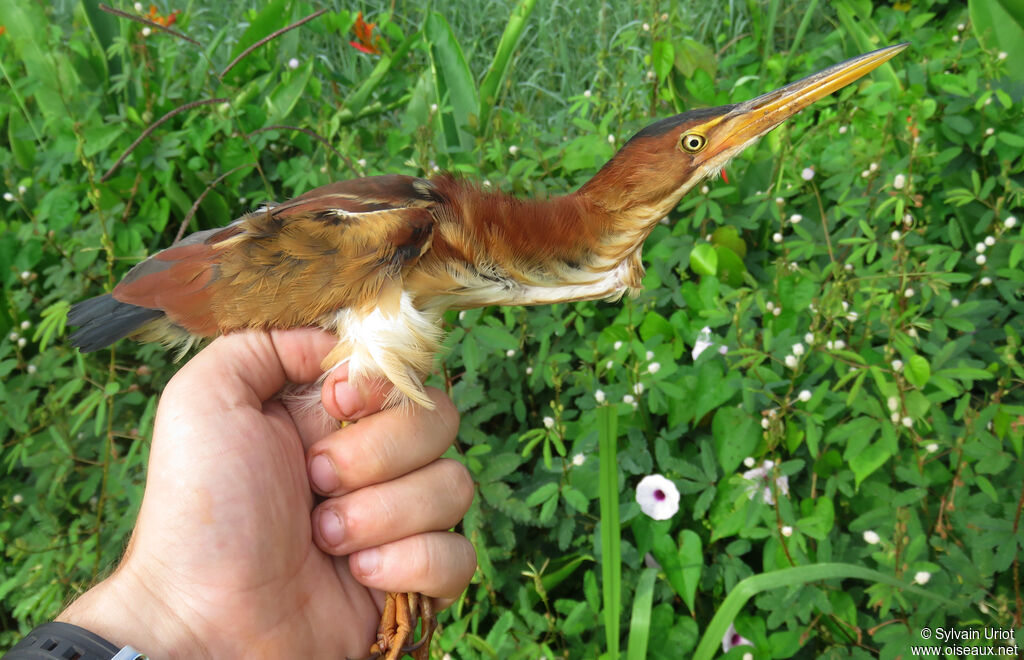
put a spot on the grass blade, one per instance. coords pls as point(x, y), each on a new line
point(788, 577)
point(453, 83)
point(491, 85)
point(640, 623)
point(611, 551)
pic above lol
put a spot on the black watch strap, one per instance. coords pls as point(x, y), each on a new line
point(54, 640)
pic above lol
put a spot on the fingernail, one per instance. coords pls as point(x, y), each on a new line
point(350, 400)
point(368, 561)
point(323, 475)
point(332, 529)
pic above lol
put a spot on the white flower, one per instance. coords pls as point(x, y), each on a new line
point(608, 365)
point(899, 181)
point(893, 403)
point(704, 190)
point(809, 339)
point(897, 365)
point(956, 38)
point(786, 530)
point(1010, 222)
point(909, 292)
point(865, 174)
point(17, 498)
point(980, 247)
point(990, 241)
point(895, 235)
point(703, 342)
point(842, 130)
point(21, 342)
point(599, 396)
point(513, 150)
point(980, 260)
point(8, 197)
point(807, 173)
point(747, 656)
point(780, 201)
point(765, 423)
point(628, 399)
point(733, 639)
point(931, 447)
point(1002, 55)
point(722, 350)
point(13, 336)
point(138, 6)
point(873, 166)
point(749, 461)
point(586, 93)
point(433, 108)
point(960, 27)
point(549, 422)
point(955, 302)
point(510, 352)
point(146, 31)
point(922, 577)
point(25, 325)
point(796, 218)
point(646, 27)
point(361, 163)
point(776, 311)
point(649, 355)
point(777, 237)
point(798, 349)
point(529, 371)
point(617, 345)
point(638, 389)
point(31, 368)
point(657, 496)
point(895, 417)
point(852, 316)
point(22, 190)
point(989, 130)
point(579, 459)
point(293, 63)
point(805, 395)
point(761, 482)
point(985, 281)
point(653, 367)
point(906, 421)
point(791, 361)
point(871, 537)
point(611, 139)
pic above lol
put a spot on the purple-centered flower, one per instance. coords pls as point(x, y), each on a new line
point(733, 639)
point(657, 496)
point(760, 479)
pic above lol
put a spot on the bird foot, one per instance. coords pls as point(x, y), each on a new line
point(397, 623)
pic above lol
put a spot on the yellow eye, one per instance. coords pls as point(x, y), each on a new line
point(693, 142)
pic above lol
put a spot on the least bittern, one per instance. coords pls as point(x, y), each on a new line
point(378, 260)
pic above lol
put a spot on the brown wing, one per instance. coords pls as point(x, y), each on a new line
point(290, 264)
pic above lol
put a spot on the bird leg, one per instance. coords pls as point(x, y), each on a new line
point(401, 611)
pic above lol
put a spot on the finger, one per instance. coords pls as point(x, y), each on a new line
point(432, 498)
point(250, 367)
point(382, 447)
point(347, 401)
point(436, 564)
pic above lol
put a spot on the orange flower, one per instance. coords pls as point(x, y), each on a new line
point(3, 30)
point(166, 21)
point(366, 41)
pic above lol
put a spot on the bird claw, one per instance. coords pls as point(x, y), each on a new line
point(401, 611)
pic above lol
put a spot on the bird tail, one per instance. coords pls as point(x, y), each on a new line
point(103, 320)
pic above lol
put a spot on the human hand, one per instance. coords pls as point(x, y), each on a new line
point(230, 558)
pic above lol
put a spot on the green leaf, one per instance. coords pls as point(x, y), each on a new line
point(917, 371)
point(736, 436)
point(502, 61)
point(453, 83)
point(542, 494)
point(611, 553)
point(640, 622)
point(869, 459)
point(704, 259)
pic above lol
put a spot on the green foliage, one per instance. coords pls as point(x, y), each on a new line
point(860, 271)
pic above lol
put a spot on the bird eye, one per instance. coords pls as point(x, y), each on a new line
point(693, 142)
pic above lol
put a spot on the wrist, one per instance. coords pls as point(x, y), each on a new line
point(125, 610)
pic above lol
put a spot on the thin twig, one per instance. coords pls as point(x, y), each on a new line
point(269, 37)
point(146, 21)
point(311, 133)
point(152, 127)
point(199, 200)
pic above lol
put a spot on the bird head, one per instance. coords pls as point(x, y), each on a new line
point(661, 163)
